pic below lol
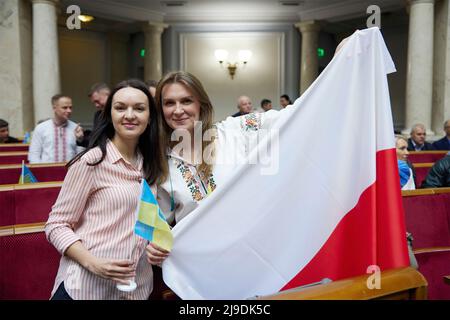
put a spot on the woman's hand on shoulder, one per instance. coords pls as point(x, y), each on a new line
point(155, 254)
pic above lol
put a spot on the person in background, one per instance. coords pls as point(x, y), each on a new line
point(244, 105)
point(54, 139)
point(405, 168)
point(285, 101)
point(439, 174)
point(4, 133)
point(92, 222)
point(407, 182)
point(98, 95)
point(266, 105)
point(417, 140)
point(444, 143)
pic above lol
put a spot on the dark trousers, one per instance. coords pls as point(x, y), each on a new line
point(61, 293)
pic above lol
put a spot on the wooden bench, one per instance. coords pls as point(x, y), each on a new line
point(9, 147)
point(28, 262)
point(28, 265)
point(426, 156)
point(421, 170)
point(13, 157)
point(44, 172)
point(396, 284)
point(24, 205)
point(427, 216)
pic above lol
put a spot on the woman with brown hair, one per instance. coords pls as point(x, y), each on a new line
point(92, 222)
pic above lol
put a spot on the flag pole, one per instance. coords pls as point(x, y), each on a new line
point(22, 178)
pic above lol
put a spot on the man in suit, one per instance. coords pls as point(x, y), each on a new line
point(98, 95)
point(444, 143)
point(417, 140)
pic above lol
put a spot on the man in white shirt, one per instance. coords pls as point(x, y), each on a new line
point(54, 140)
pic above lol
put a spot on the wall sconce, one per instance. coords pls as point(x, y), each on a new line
point(243, 56)
point(85, 18)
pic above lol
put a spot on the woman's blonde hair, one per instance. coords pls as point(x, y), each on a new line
point(206, 115)
point(400, 137)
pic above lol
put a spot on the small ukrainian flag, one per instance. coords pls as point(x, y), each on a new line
point(151, 223)
point(27, 138)
point(26, 176)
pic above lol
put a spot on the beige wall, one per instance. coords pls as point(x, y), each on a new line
point(397, 44)
point(118, 47)
point(82, 56)
point(88, 57)
point(15, 66)
point(261, 78)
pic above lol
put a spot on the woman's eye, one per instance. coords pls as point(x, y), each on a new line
point(187, 101)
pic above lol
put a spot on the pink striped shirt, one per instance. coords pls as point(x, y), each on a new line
point(97, 205)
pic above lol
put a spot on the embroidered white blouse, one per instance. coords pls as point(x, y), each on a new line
point(184, 189)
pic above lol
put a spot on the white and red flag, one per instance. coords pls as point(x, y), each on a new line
point(333, 208)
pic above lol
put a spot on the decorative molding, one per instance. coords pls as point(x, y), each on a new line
point(309, 26)
point(50, 2)
point(154, 27)
point(221, 11)
point(239, 17)
point(116, 11)
point(346, 9)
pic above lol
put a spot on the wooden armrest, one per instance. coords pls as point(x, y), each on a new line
point(430, 250)
point(424, 192)
point(423, 165)
point(403, 283)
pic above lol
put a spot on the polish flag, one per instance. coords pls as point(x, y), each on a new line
point(332, 209)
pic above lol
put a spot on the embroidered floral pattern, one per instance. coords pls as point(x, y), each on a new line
point(193, 183)
point(212, 183)
point(251, 122)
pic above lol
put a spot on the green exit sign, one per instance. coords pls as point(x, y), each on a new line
point(142, 53)
point(320, 52)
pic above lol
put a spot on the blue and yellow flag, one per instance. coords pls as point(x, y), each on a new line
point(151, 223)
point(27, 138)
point(26, 176)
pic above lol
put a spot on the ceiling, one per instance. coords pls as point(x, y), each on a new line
point(230, 11)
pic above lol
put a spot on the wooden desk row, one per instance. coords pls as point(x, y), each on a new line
point(44, 172)
point(9, 147)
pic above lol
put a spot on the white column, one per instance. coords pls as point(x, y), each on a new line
point(419, 77)
point(16, 105)
point(153, 56)
point(46, 80)
point(441, 72)
point(309, 61)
